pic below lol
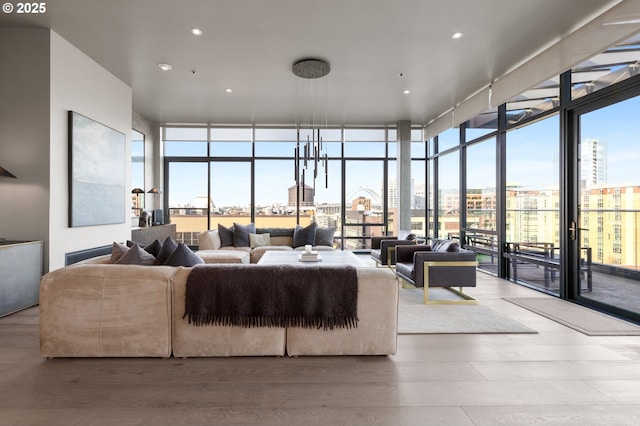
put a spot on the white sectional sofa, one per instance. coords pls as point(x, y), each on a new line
point(212, 249)
point(96, 309)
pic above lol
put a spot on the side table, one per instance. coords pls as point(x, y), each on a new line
point(20, 273)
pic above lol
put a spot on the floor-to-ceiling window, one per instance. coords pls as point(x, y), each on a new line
point(418, 184)
point(448, 176)
point(608, 229)
point(186, 180)
point(480, 203)
point(137, 171)
point(248, 174)
point(187, 198)
point(230, 155)
point(562, 206)
point(275, 185)
point(532, 200)
point(431, 181)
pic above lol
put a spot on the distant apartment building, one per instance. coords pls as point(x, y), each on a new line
point(392, 194)
point(419, 196)
point(593, 162)
point(533, 216)
point(609, 224)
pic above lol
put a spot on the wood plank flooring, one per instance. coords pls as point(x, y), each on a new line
point(558, 376)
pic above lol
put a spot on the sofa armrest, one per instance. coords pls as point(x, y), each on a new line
point(388, 248)
point(454, 256)
point(404, 253)
point(375, 241)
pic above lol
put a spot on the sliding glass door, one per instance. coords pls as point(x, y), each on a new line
point(606, 233)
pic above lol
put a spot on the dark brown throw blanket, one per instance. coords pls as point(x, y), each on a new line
point(273, 296)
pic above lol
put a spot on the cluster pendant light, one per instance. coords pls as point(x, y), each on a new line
point(310, 151)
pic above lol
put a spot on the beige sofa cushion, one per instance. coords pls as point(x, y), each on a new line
point(95, 310)
point(258, 252)
point(223, 256)
point(377, 329)
point(192, 341)
point(209, 240)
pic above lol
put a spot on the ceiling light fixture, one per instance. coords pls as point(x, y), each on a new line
point(228, 90)
point(311, 91)
point(406, 92)
point(457, 35)
point(311, 68)
point(164, 66)
point(196, 31)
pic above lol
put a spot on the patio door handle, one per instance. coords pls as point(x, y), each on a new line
point(573, 230)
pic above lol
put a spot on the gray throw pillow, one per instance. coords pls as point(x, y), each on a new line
point(241, 234)
point(154, 248)
point(448, 246)
point(453, 246)
point(324, 236)
point(303, 236)
point(136, 256)
point(168, 246)
point(406, 235)
point(226, 236)
point(117, 251)
point(183, 256)
point(435, 244)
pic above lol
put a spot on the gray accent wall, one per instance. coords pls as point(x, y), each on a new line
point(43, 76)
point(24, 133)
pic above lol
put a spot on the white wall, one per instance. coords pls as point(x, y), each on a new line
point(24, 133)
point(79, 84)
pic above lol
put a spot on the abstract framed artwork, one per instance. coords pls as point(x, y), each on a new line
point(97, 173)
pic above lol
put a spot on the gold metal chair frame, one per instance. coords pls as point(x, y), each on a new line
point(466, 299)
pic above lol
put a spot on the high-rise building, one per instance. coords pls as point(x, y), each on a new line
point(593, 162)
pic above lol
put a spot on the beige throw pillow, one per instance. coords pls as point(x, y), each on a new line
point(258, 240)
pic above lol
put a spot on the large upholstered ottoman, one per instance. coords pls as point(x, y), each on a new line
point(95, 310)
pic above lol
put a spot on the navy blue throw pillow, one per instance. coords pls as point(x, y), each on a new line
point(226, 236)
point(168, 247)
point(241, 234)
point(183, 256)
point(304, 236)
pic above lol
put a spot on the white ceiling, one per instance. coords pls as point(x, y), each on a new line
point(250, 46)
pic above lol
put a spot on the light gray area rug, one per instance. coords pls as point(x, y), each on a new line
point(584, 320)
point(414, 317)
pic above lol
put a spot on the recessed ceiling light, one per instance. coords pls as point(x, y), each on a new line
point(457, 35)
point(406, 92)
point(164, 66)
point(196, 31)
point(228, 90)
